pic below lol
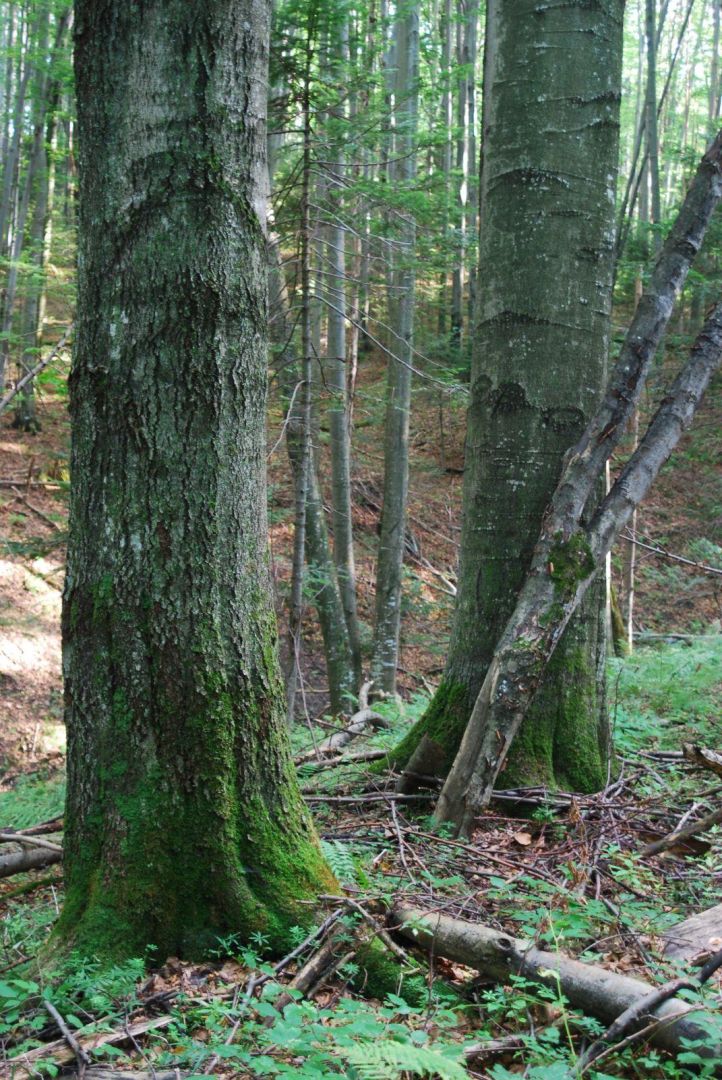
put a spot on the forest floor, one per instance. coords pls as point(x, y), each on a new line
point(567, 871)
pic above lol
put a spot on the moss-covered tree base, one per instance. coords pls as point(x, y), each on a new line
point(562, 745)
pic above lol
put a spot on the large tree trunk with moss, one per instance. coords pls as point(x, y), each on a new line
point(552, 78)
point(184, 820)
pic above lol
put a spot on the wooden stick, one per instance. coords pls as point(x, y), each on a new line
point(678, 836)
point(67, 1034)
point(28, 841)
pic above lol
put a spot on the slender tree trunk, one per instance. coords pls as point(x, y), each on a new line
point(447, 121)
point(538, 369)
point(651, 123)
point(398, 388)
point(305, 462)
point(339, 413)
point(322, 571)
point(184, 820)
point(714, 82)
point(33, 318)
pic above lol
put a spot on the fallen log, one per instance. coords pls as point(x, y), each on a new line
point(629, 1021)
point(593, 989)
point(697, 936)
point(357, 724)
point(30, 859)
point(706, 759)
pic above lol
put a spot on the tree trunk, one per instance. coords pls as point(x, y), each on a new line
point(568, 551)
point(339, 414)
point(651, 123)
point(538, 369)
point(184, 819)
point(398, 387)
point(322, 571)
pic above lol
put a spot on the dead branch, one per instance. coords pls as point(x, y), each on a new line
point(347, 759)
point(699, 755)
point(80, 1054)
point(695, 937)
point(26, 840)
point(678, 836)
point(639, 1010)
point(356, 726)
point(29, 375)
point(26, 1065)
point(595, 990)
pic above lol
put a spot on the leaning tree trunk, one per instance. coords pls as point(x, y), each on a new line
point(184, 820)
point(569, 550)
point(398, 386)
point(539, 361)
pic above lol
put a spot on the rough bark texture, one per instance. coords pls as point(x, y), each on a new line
point(184, 820)
point(552, 76)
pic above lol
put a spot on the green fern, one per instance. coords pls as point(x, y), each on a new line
point(389, 1060)
point(339, 858)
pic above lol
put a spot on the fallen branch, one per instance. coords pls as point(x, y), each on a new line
point(593, 989)
point(695, 937)
point(639, 1010)
point(30, 859)
point(699, 755)
point(29, 375)
point(26, 1065)
point(36, 510)
point(356, 726)
point(678, 836)
point(80, 1054)
point(26, 840)
point(347, 759)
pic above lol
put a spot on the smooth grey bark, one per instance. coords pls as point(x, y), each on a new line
point(569, 550)
point(651, 122)
point(714, 81)
point(539, 357)
point(302, 473)
point(184, 820)
point(590, 987)
point(389, 566)
point(339, 414)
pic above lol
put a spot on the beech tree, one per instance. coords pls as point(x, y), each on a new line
point(539, 364)
point(184, 820)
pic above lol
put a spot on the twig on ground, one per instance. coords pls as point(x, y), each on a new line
point(678, 836)
point(80, 1054)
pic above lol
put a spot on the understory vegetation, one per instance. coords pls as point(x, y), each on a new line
point(568, 873)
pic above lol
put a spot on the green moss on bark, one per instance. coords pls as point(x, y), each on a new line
point(443, 722)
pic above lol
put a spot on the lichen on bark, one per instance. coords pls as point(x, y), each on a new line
point(184, 819)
